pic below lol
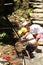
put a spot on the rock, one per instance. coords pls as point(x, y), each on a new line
point(19, 46)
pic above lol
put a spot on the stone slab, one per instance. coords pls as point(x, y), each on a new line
point(37, 60)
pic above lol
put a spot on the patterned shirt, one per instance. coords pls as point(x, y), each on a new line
point(29, 37)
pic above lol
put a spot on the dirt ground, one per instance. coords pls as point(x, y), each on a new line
point(9, 50)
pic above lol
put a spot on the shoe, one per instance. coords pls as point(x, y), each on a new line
point(32, 55)
point(38, 51)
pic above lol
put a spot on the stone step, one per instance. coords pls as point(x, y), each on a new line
point(40, 22)
point(38, 6)
point(41, 19)
point(38, 0)
point(37, 60)
point(36, 15)
point(36, 3)
point(38, 10)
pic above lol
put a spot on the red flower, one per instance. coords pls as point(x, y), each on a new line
point(7, 57)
